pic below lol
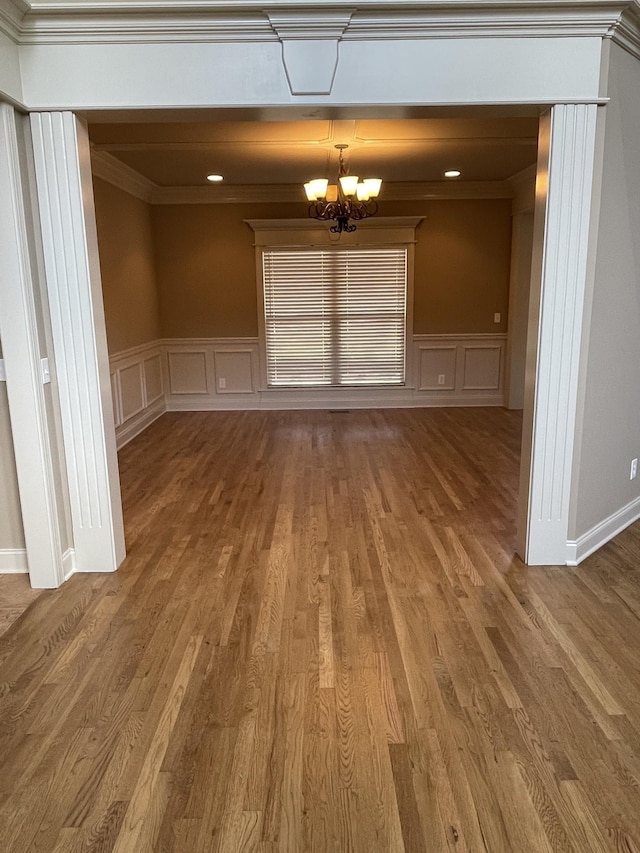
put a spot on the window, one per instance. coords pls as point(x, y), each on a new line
point(335, 316)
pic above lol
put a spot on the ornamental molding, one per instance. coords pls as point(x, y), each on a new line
point(627, 33)
point(123, 21)
point(116, 173)
point(310, 24)
point(12, 13)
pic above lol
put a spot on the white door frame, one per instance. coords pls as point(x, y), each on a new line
point(559, 271)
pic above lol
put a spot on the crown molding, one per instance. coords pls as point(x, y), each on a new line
point(104, 165)
point(627, 33)
point(90, 21)
point(292, 194)
point(112, 170)
point(12, 13)
point(309, 23)
point(523, 189)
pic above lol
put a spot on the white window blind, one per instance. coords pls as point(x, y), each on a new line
point(335, 316)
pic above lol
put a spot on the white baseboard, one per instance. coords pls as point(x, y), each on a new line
point(283, 401)
point(139, 422)
point(13, 561)
point(585, 545)
point(69, 563)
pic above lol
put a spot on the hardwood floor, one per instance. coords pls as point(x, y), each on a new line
point(321, 641)
point(15, 596)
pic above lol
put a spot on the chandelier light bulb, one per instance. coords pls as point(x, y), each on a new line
point(373, 186)
point(316, 189)
point(349, 184)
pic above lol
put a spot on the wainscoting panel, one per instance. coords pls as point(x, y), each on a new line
point(437, 368)
point(137, 387)
point(153, 385)
point(187, 371)
point(224, 373)
point(212, 373)
point(131, 390)
point(472, 367)
point(482, 368)
point(234, 371)
point(208, 374)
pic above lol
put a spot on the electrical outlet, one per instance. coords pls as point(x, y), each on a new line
point(3, 372)
point(46, 373)
point(633, 471)
point(222, 383)
point(441, 379)
point(496, 317)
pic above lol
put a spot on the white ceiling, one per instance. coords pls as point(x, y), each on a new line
point(182, 154)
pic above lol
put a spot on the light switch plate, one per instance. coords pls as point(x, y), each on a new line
point(46, 373)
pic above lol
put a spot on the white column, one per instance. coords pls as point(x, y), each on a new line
point(65, 200)
point(21, 350)
point(563, 210)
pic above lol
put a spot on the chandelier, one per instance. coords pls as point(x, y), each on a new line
point(349, 198)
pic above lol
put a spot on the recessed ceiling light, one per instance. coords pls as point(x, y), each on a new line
point(452, 173)
point(215, 178)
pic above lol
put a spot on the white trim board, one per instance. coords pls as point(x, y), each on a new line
point(138, 423)
point(383, 398)
point(13, 561)
point(581, 548)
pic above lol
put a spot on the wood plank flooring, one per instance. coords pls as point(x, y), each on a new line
point(321, 641)
point(15, 596)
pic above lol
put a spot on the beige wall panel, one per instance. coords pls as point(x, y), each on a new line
point(187, 372)
point(481, 368)
point(609, 437)
point(205, 265)
point(11, 533)
point(131, 391)
point(153, 378)
point(126, 263)
point(437, 363)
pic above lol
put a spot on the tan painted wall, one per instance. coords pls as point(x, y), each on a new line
point(11, 533)
point(205, 266)
point(125, 244)
point(609, 408)
point(462, 264)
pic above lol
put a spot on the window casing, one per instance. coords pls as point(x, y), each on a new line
point(335, 316)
